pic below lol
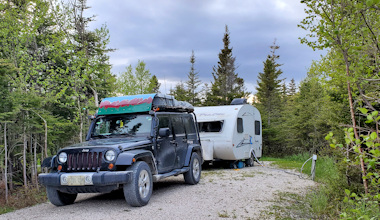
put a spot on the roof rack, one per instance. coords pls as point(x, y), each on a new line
point(142, 103)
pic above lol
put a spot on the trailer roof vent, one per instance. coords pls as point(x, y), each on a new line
point(238, 101)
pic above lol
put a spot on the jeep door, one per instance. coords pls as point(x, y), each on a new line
point(180, 139)
point(166, 147)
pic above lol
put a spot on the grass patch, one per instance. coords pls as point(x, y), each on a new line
point(322, 202)
point(206, 173)
point(288, 206)
point(248, 175)
point(223, 214)
point(21, 198)
point(325, 167)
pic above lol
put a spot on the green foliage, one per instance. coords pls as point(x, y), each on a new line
point(366, 147)
point(360, 207)
point(53, 70)
point(138, 81)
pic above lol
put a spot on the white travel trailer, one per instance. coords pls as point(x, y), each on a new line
point(230, 132)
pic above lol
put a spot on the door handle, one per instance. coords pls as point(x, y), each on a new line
point(184, 140)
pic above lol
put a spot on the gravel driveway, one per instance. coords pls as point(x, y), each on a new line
point(221, 194)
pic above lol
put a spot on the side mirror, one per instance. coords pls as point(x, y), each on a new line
point(91, 117)
point(164, 132)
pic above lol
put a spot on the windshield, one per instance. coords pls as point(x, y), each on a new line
point(117, 125)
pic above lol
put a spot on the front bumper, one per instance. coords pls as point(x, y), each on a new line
point(83, 179)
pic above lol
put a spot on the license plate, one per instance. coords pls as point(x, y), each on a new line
point(76, 180)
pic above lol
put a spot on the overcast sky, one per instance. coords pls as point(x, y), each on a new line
point(163, 33)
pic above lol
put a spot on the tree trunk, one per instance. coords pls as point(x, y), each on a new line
point(6, 163)
point(35, 164)
point(80, 122)
point(10, 173)
point(46, 132)
point(96, 96)
point(365, 183)
point(24, 158)
point(46, 135)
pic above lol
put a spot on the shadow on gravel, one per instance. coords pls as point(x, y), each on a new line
point(169, 184)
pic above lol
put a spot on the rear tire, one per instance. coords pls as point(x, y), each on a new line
point(137, 193)
point(193, 176)
point(250, 161)
point(58, 198)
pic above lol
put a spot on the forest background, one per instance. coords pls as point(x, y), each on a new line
point(54, 71)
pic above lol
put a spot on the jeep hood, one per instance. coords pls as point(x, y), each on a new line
point(116, 143)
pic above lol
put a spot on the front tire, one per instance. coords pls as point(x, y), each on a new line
point(193, 176)
point(137, 193)
point(58, 198)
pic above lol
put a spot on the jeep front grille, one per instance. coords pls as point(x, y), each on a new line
point(84, 161)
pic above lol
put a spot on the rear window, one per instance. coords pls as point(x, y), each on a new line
point(210, 126)
point(178, 124)
point(189, 124)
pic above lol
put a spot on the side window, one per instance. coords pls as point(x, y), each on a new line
point(163, 121)
point(210, 126)
point(177, 124)
point(257, 128)
point(240, 125)
point(189, 124)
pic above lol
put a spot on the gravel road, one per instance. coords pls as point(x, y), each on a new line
point(221, 193)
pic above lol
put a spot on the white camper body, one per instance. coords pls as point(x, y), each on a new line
point(230, 132)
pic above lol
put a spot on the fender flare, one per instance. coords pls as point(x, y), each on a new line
point(126, 158)
point(49, 162)
point(190, 150)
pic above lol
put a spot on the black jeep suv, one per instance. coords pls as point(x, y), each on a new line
point(132, 142)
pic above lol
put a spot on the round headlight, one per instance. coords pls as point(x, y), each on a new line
point(110, 155)
point(62, 157)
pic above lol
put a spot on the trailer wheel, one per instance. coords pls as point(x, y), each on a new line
point(58, 198)
point(250, 161)
point(193, 176)
point(138, 192)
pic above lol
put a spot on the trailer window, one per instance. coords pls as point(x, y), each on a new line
point(257, 128)
point(240, 128)
point(210, 126)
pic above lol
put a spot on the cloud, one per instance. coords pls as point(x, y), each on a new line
point(163, 34)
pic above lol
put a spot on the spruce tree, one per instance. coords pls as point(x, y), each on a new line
point(154, 85)
point(193, 82)
point(269, 95)
point(269, 85)
point(227, 85)
point(292, 88)
point(179, 92)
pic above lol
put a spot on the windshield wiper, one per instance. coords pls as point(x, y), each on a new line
point(101, 136)
point(127, 134)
